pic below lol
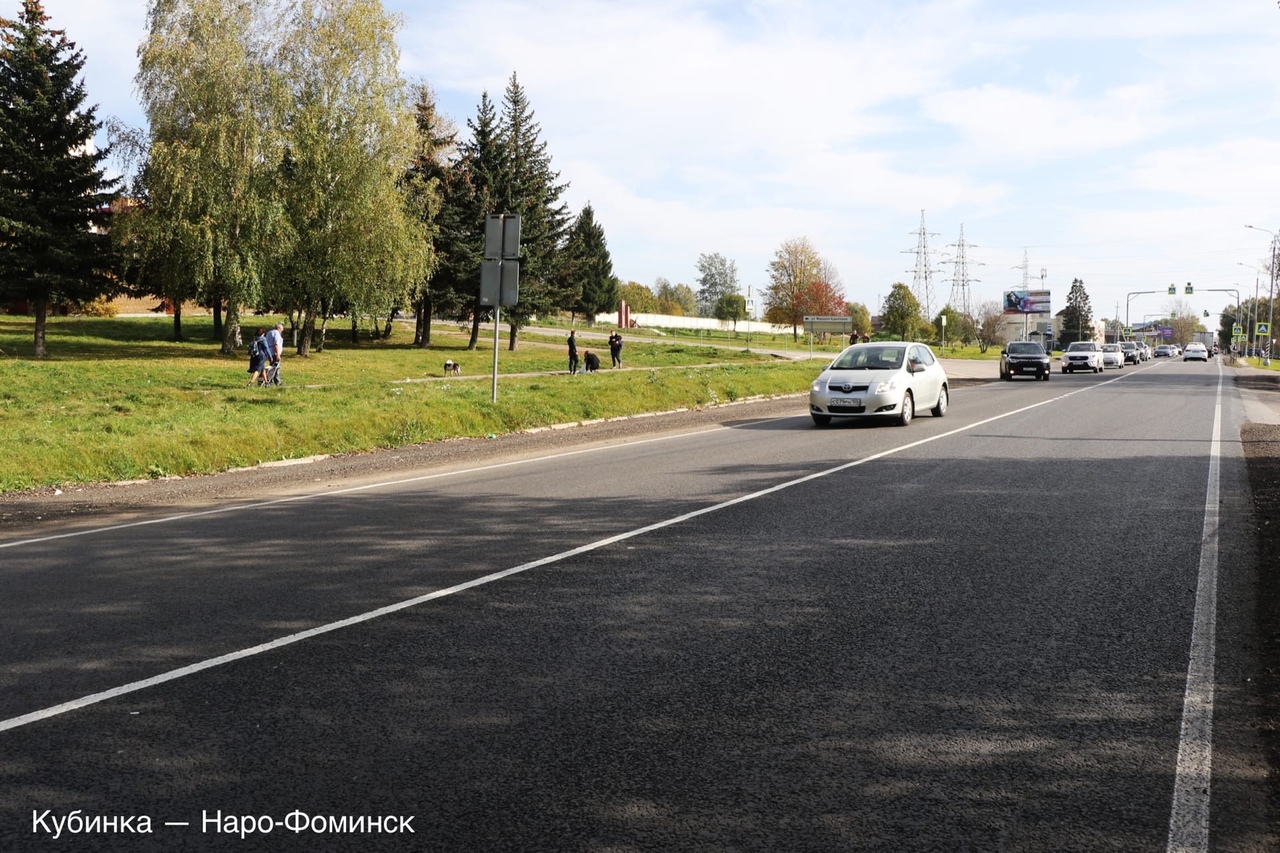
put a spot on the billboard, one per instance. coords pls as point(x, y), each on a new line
point(1026, 302)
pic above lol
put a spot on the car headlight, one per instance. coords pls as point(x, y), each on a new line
point(886, 386)
point(818, 385)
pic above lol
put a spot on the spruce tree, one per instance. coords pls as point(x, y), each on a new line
point(473, 192)
point(531, 189)
point(1076, 320)
point(54, 196)
point(589, 267)
point(437, 141)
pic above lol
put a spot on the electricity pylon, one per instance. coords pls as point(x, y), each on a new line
point(922, 283)
point(960, 281)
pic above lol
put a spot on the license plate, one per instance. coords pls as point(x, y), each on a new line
point(845, 404)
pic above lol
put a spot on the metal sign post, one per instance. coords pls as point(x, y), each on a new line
point(841, 324)
point(500, 273)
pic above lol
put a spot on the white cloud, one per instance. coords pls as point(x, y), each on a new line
point(1124, 143)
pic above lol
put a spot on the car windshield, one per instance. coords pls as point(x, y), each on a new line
point(870, 357)
point(1083, 346)
point(1111, 348)
point(1025, 349)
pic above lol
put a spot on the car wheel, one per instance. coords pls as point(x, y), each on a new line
point(940, 409)
point(822, 420)
point(908, 409)
point(1047, 374)
point(1064, 371)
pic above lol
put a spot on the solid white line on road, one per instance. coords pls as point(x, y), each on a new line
point(173, 675)
point(1189, 817)
point(88, 531)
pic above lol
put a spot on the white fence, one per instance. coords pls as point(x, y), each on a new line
point(668, 321)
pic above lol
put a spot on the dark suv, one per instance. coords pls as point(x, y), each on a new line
point(1022, 357)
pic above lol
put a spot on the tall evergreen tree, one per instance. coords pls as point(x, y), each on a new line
point(532, 190)
point(1076, 320)
point(472, 194)
point(588, 266)
point(54, 196)
point(428, 178)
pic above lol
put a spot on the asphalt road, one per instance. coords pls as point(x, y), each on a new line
point(973, 633)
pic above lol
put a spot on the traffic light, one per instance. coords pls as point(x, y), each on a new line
point(1189, 289)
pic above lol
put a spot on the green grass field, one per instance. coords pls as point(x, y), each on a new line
point(117, 399)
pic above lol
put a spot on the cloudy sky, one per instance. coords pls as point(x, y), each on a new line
point(1126, 143)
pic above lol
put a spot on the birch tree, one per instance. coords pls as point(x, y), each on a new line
point(212, 102)
point(357, 241)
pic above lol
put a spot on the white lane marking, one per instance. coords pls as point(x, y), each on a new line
point(88, 531)
point(1189, 817)
point(191, 669)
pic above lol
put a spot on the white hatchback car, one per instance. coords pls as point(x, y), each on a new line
point(881, 380)
point(1112, 356)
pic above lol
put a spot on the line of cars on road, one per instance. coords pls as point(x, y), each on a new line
point(892, 380)
point(1021, 358)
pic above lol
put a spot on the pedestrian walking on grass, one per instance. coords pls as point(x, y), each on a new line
point(259, 355)
point(615, 348)
point(573, 353)
point(275, 347)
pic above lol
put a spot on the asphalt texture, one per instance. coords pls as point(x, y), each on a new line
point(745, 633)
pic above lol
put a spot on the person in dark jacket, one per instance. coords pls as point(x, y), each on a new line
point(590, 361)
point(615, 348)
point(258, 357)
point(573, 353)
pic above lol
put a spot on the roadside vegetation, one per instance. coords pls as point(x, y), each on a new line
point(117, 399)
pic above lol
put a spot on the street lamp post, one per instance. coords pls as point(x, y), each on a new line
point(1252, 321)
point(1271, 294)
point(1271, 299)
point(1129, 298)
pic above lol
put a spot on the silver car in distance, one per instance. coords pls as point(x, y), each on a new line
point(880, 380)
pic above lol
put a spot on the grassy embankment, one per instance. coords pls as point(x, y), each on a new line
point(116, 399)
